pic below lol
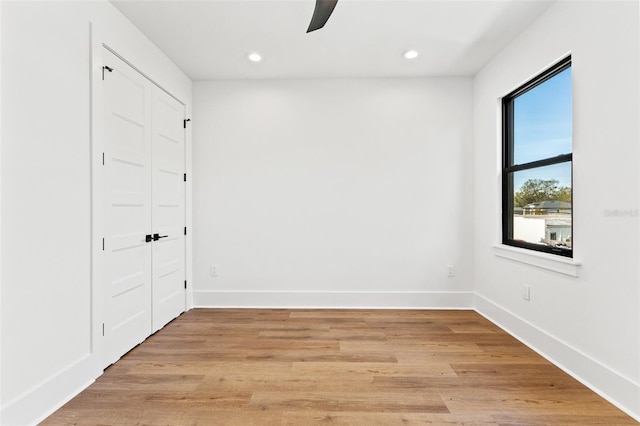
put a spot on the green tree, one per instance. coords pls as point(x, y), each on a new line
point(537, 190)
point(564, 194)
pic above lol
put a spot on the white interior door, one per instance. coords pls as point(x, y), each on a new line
point(144, 207)
point(168, 208)
point(127, 172)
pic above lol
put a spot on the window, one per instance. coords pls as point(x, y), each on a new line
point(537, 205)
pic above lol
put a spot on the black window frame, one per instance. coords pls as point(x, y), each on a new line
point(508, 168)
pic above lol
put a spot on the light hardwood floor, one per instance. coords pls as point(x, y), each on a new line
point(344, 367)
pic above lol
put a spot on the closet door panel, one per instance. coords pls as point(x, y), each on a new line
point(127, 177)
point(168, 211)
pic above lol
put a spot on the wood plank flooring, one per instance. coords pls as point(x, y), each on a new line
point(342, 367)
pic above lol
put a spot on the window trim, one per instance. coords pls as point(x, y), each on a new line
point(561, 264)
point(508, 169)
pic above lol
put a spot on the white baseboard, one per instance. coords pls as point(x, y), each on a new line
point(330, 300)
point(42, 400)
point(612, 386)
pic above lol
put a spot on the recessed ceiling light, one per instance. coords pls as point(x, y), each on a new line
point(254, 57)
point(410, 54)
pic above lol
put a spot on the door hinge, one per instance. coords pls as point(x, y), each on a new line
point(106, 68)
point(184, 122)
point(185, 284)
point(185, 230)
point(185, 177)
point(102, 329)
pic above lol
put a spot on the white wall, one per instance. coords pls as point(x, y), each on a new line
point(529, 228)
point(47, 330)
point(588, 325)
point(333, 193)
point(0, 209)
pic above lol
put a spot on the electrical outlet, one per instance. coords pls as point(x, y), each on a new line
point(213, 270)
point(451, 272)
point(526, 292)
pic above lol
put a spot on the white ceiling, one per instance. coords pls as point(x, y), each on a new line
point(209, 39)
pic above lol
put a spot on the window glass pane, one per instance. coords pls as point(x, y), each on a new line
point(542, 206)
point(542, 120)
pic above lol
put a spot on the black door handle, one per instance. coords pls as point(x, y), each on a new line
point(156, 237)
point(148, 238)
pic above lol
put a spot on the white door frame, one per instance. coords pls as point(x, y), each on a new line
point(97, 44)
point(97, 199)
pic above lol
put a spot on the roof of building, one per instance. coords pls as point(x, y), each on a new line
point(549, 205)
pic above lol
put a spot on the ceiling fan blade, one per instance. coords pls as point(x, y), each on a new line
point(321, 14)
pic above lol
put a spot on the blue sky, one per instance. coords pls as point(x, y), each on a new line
point(543, 128)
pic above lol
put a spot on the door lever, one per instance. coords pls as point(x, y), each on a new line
point(156, 237)
point(148, 238)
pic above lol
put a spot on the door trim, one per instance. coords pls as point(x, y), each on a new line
point(142, 73)
point(97, 198)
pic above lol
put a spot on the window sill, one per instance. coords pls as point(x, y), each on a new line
point(563, 265)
